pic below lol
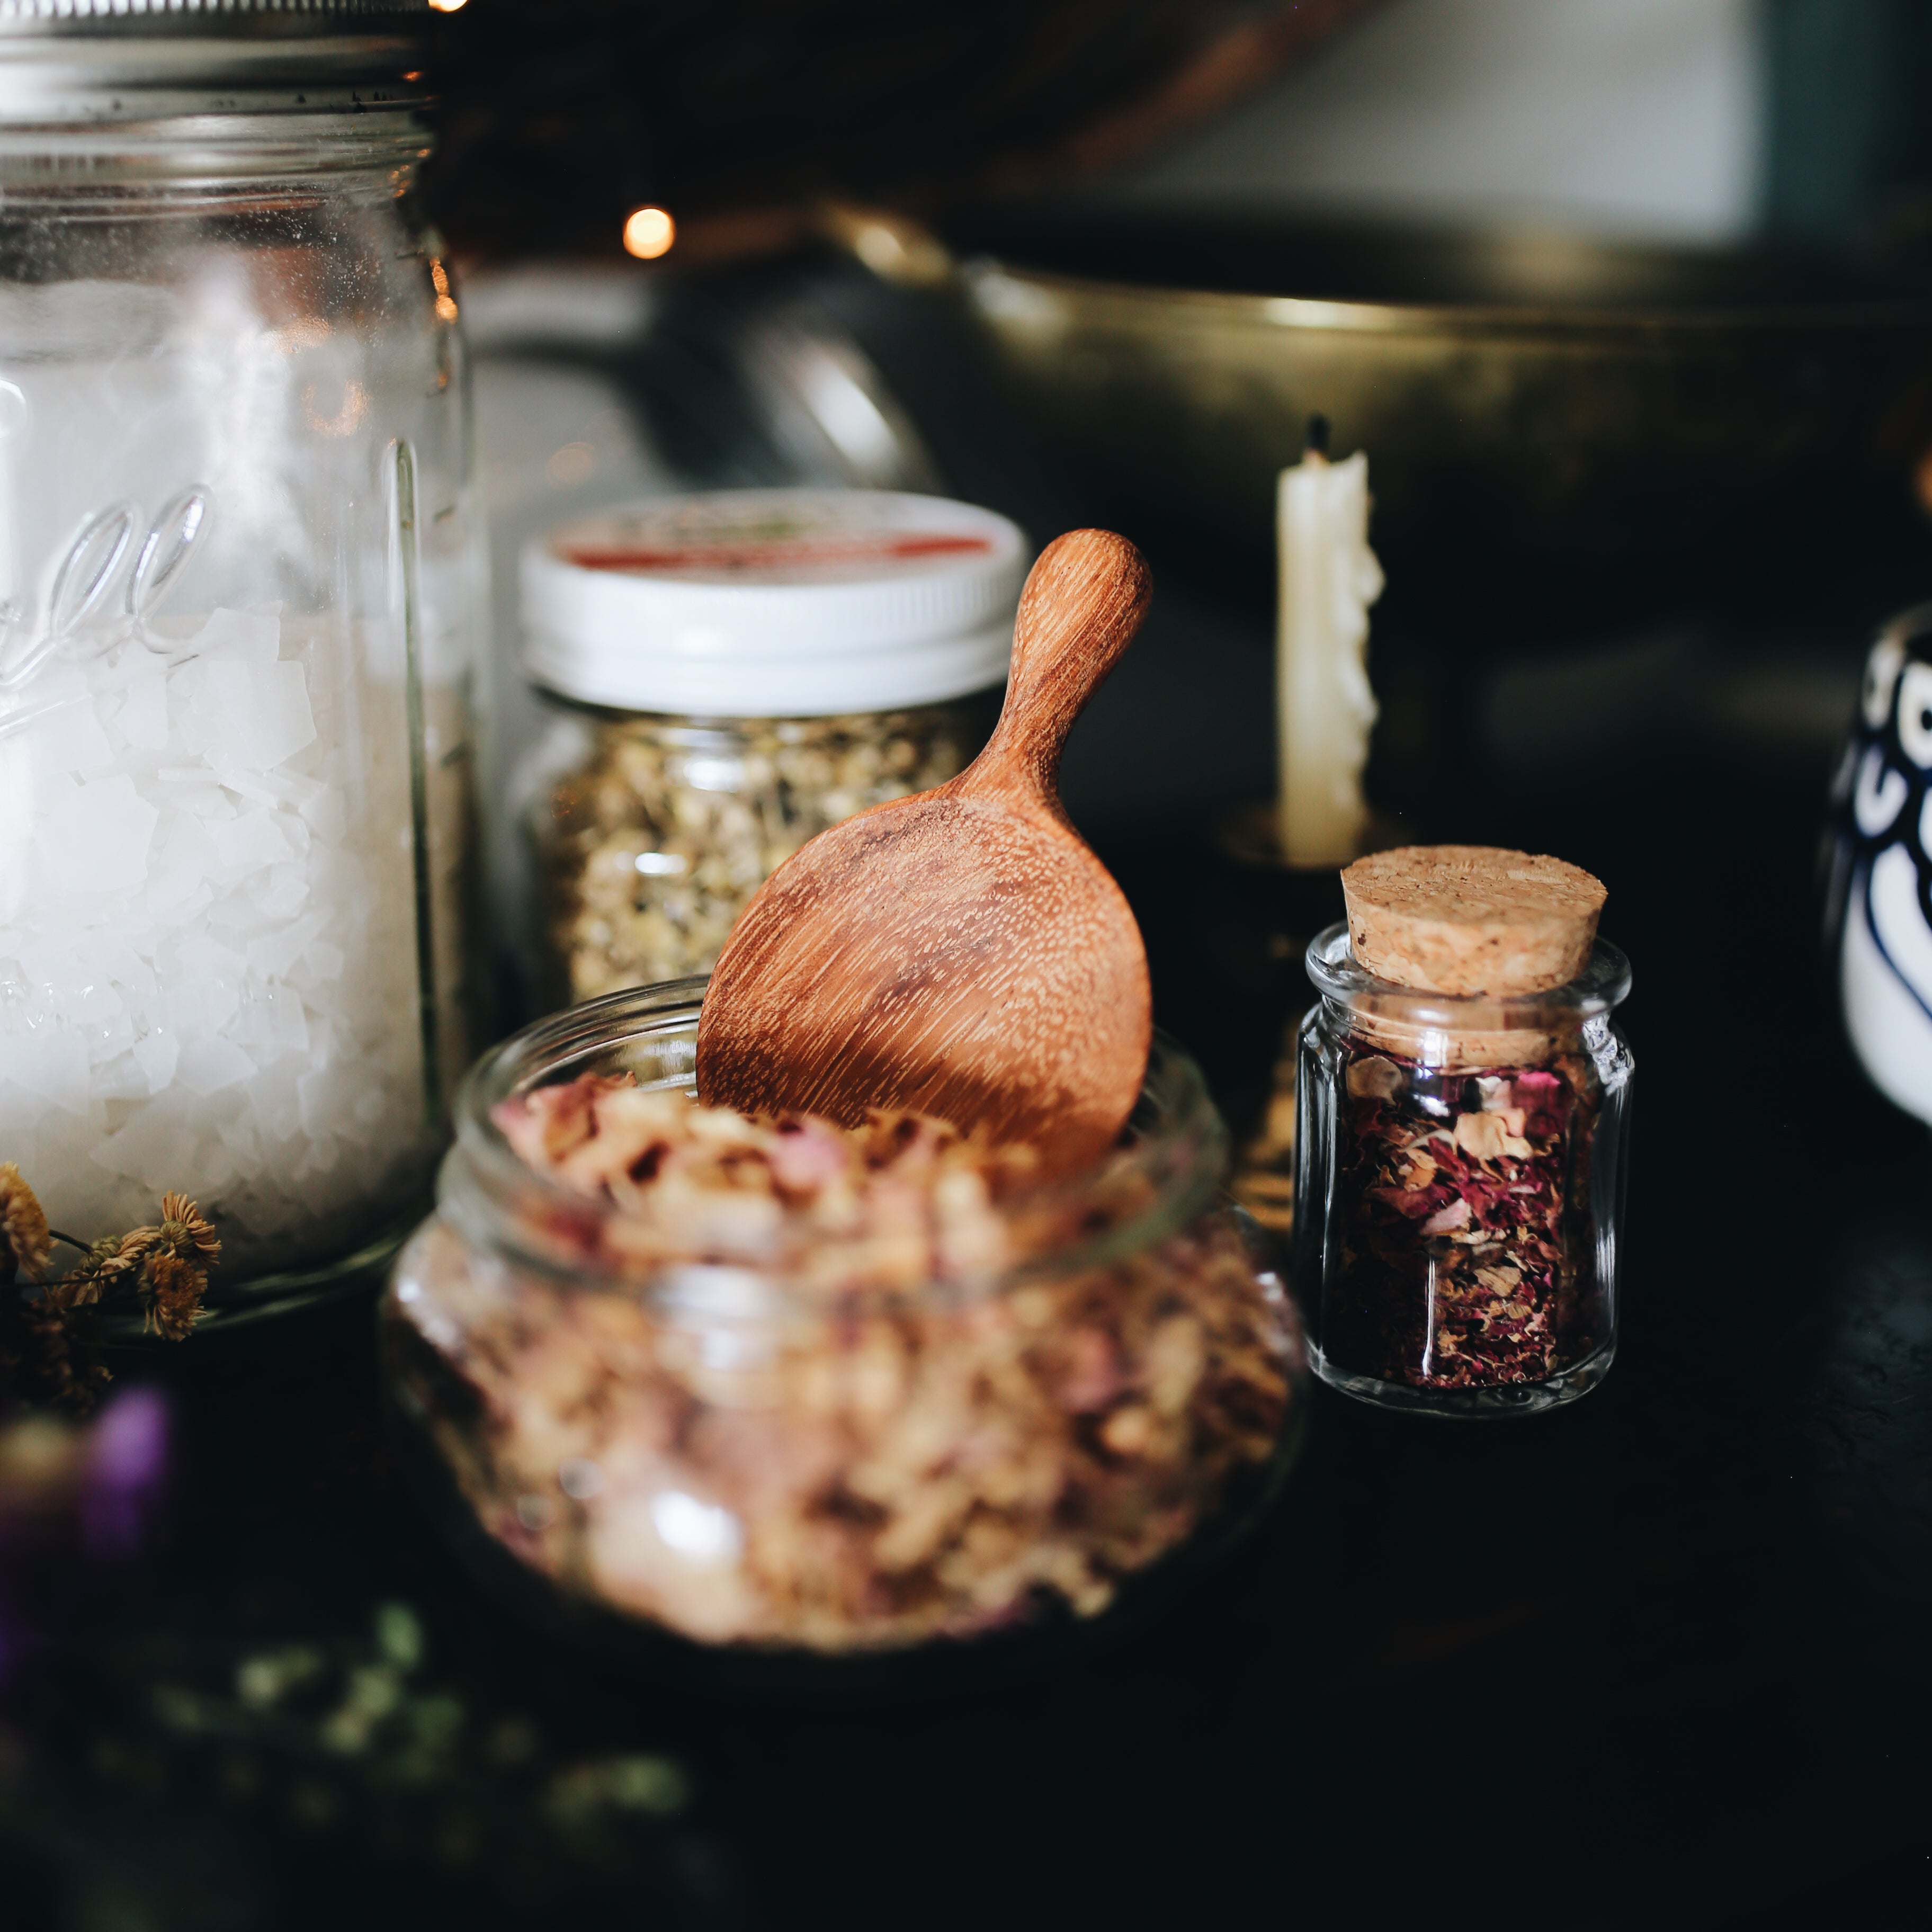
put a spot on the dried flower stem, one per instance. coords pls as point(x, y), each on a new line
point(46, 1335)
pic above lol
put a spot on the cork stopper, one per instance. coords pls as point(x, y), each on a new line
point(1470, 918)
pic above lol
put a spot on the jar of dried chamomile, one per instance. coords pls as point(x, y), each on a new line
point(727, 675)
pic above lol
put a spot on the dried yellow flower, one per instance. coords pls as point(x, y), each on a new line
point(46, 1338)
point(171, 1288)
point(185, 1227)
point(108, 1259)
point(23, 1227)
point(136, 1245)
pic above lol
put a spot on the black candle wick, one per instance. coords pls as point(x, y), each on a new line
point(1318, 435)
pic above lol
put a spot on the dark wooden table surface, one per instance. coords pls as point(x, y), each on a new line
point(1663, 1659)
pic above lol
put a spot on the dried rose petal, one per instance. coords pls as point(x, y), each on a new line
point(1466, 1256)
point(1374, 1078)
point(916, 1443)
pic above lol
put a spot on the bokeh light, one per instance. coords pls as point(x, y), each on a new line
point(649, 233)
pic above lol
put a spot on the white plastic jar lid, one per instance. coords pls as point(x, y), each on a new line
point(774, 603)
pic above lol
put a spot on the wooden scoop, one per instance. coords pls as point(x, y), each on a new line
point(961, 953)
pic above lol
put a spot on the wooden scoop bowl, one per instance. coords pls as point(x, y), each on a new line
point(961, 953)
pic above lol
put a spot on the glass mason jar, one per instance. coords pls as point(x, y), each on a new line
point(240, 579)
point(725, 676)
point(1460, 1165)
point(756, 1459)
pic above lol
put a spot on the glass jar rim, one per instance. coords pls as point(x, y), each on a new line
point(211, 90)
point(715, 724)
point(1175, 1149)
point(1603, 984)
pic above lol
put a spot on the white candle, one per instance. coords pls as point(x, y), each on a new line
point(1329, 578)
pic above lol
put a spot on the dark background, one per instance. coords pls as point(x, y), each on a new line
point(561, 115)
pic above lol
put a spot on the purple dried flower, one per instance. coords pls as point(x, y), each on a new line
point(124, 1472)
point(73, 1499)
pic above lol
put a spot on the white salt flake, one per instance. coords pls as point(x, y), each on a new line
point(120, 1079)
point(51, 1063)
point(93, 838)
point(284, 894)
point(204, 997)
point(272, 957)
point(288, 1018)
point(142, 718)
point(323, 962)
point(326, 816)
point(268, 719)
point(21, 1111)
point(157, 1142)
point(106, 1029)
point(253, 636)
point(16, 823)
point(277, 1108)
point(158, 1052)
point(207, 959)
point(250, 841)
point(207, 1066)
point(174, 898)
point(68, 736)
point(246, 784)
point(187, 840)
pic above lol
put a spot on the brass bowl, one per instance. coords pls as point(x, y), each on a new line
point(1542, 417)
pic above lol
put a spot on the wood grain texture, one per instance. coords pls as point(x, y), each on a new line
point(961, 953)
point(1471, 919)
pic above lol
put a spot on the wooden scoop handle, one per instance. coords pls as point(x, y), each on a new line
point(1083, 602)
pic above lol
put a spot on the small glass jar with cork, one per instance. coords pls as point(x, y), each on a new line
point(1464, 1096)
